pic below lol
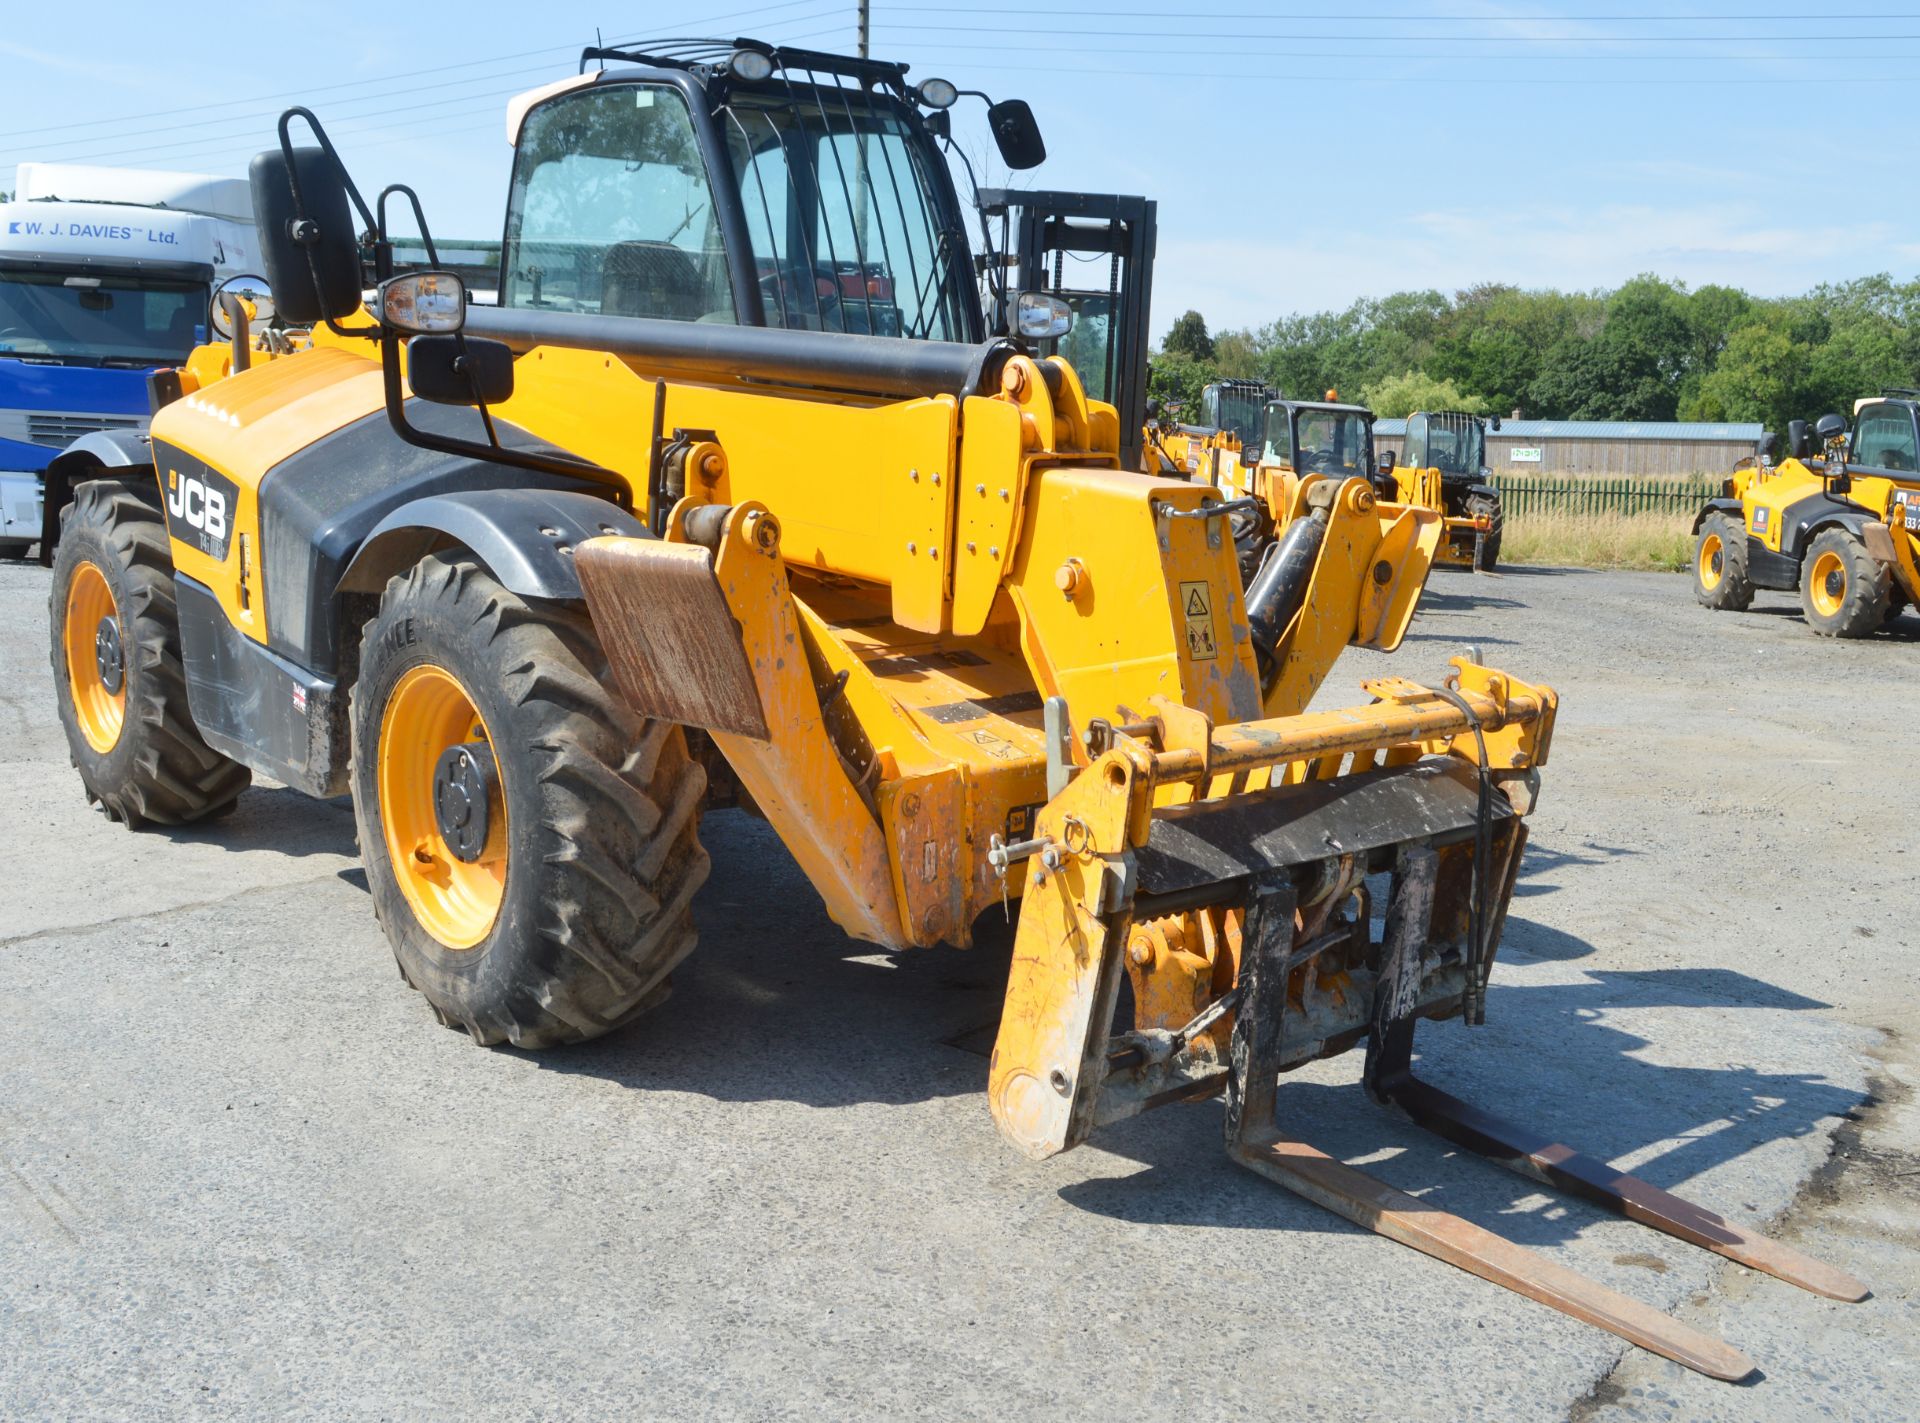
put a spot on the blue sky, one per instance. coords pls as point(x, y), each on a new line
point(1303, 154)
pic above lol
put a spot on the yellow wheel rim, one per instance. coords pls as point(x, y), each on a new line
point(96, 658)
point(1827, 584)
point(427, 715)
point(1713, 556)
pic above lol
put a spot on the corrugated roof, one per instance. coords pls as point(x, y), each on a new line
point(1671, 431)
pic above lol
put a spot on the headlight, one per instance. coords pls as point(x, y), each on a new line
point(751, 65)
point(937, 93)
point(424, 303)
point(1040, 317)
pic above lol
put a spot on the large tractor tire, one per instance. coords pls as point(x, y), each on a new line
point(531, 845)
point(116, 666)
point(1720, 579)
point(1487, 557)
point(1843, 589)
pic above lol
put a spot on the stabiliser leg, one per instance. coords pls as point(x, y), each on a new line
point(1541, 1158)
point(1254, 1141)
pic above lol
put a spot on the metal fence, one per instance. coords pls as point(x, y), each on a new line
point(1526, 494)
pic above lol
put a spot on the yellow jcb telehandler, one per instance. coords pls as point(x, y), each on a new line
point(1842, 526)
point(732, 495)
point(1442, 465)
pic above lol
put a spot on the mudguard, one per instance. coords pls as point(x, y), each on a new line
point(525, 538)
point(1720, 506)
point(109, 450)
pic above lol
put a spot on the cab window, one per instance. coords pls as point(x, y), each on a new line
point(1416, 453)
point(611, 210)
point(1278, 444)
point(1885, 439)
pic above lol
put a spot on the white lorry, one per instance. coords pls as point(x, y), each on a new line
point(105, 275)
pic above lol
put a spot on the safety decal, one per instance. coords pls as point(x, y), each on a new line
point(1196, 604)
point(1760, 516)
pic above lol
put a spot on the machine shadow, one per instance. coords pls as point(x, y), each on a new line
point(276, 818)
point(816, 1019)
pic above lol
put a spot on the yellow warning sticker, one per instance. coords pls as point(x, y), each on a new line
point(1196, 602)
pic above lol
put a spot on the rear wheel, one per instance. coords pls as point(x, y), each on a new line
point(1720, 578)
point(1487, 506)
point(1843, 588)
point(117, 676)
point(531, 845)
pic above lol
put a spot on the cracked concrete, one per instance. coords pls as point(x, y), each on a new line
point(247, 1175)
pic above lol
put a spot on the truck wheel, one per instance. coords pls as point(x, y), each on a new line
point(532, 846)
point(1843, 589)
point(1720, 578)
point(117, 676)
point(1478, 505)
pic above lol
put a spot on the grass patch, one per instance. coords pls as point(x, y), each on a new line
point(1661, 543)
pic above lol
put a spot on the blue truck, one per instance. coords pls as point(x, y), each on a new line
point(106, 274)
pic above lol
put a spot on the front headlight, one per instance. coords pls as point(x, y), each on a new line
point(1040, 317)
point(424, 303)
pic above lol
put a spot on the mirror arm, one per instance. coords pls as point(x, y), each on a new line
point(445, 444)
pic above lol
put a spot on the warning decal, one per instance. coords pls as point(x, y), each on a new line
point(1196, 602)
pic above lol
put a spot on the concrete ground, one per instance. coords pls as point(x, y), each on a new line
point(244, 1174)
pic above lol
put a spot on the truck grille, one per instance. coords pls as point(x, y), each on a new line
point(59, 431)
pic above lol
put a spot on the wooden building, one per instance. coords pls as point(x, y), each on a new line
point(1650, 449)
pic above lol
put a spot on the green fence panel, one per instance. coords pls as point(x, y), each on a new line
point(1528, 494)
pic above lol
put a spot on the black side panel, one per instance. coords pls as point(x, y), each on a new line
point(260, 709)
point(317, 506)
point(1768, 569)
point(1800, 520)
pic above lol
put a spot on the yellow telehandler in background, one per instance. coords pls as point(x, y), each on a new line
point(1442, 465)
point(733, 498)
point(1842, 527)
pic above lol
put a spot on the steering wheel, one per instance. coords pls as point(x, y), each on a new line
point(1321, 461)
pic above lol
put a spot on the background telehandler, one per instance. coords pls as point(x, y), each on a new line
point(1841, 526)
point(732, 498)
point(1442, 465)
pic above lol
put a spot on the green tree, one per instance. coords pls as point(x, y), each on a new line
point(1189, 338)
point(1399, 396)
point(1176, 381)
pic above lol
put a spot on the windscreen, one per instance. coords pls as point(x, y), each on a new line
point(1242, 413)
point(1332, 442)
point(1456, 447)
point(838, 195)
point(611, 211)
point(118, 319)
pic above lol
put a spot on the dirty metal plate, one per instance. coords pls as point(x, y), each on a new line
point(673, 643)
point(1190, 846)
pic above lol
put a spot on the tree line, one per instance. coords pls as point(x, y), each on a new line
point(1649, 350)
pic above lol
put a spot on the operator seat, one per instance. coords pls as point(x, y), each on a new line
point(651, 279)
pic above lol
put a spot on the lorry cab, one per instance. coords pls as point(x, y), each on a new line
point(105, 275)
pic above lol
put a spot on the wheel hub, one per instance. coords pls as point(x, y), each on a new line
point(464, 784)
point(1836, 583)
point(108, 658)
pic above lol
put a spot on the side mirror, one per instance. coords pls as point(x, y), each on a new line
point(1769, 442)
point(1386, 461)
point(1799, 440)
point(454, 370)
point(1830, 428)
point(1153, 409)
point(1493, 425)
point(312, 262)
point(1017, 134)
point(250, 289)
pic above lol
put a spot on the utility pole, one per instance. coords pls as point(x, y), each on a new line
point(863, 28)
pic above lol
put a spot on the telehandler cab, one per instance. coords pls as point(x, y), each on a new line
point(1841, 526)
point(1442, 465)
point(730, 498)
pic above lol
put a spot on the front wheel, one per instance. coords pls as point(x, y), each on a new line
point(532, 846)
point(1487, 548)
point(1720, 579)
point(1843, 589)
